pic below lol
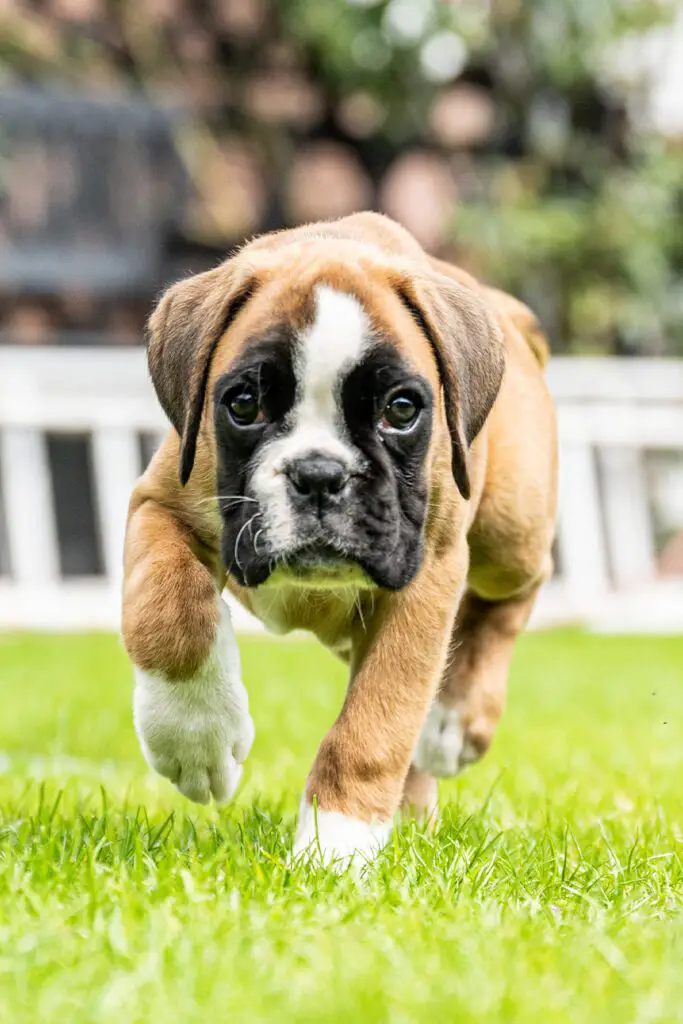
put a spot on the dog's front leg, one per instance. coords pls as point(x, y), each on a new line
point(190, 707)
point(356, 783)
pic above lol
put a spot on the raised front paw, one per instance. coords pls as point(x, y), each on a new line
point(197, 732)
point(446, 745)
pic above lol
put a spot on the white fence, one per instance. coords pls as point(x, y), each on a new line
point(612, 413)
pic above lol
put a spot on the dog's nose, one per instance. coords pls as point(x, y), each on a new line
point(317, 476)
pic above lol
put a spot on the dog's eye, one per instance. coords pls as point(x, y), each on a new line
point(401, 411)
point(244, 407)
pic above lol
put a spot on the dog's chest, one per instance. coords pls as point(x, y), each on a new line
point(330, 615)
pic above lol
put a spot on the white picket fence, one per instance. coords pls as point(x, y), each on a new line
point(611, 413)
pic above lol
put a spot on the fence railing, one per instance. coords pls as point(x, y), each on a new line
point(612, 413)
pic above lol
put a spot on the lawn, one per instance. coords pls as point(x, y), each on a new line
point(553, 890)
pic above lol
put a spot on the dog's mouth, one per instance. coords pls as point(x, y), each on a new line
point(315, 557)
point(320, 565)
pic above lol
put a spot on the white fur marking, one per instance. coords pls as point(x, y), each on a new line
point(338, 838)
point(329, 348)
point(197, 732)
point(441, 749)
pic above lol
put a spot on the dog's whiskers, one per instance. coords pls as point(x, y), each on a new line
point(359, 608)
point(225, 500)
point(239, 537)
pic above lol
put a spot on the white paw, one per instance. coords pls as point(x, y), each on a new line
point(442, 749)
point(197, 732)
point(337, 838)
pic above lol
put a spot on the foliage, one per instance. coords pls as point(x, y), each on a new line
point(582, 210)
point(566, 200)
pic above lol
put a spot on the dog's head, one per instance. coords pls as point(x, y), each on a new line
point(332, 377)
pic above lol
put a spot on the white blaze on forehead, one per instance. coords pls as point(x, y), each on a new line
point(329, 348)
point(325, 353)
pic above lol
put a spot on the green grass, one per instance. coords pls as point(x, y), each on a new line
point(552, 892)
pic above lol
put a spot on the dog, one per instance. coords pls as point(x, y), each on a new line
point(363, 447)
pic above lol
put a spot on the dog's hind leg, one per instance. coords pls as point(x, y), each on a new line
point(463, 718)
point(420, 799)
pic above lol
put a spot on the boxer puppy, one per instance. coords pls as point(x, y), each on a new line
point(363, 446)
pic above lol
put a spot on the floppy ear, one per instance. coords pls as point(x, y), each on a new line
point(468, 348)
point(183, 333)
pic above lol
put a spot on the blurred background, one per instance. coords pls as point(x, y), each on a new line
point(539, 143)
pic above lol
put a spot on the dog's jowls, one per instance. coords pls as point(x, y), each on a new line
point(363, 446)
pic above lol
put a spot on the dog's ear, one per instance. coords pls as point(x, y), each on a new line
point(183, 333)
point(468, 348)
